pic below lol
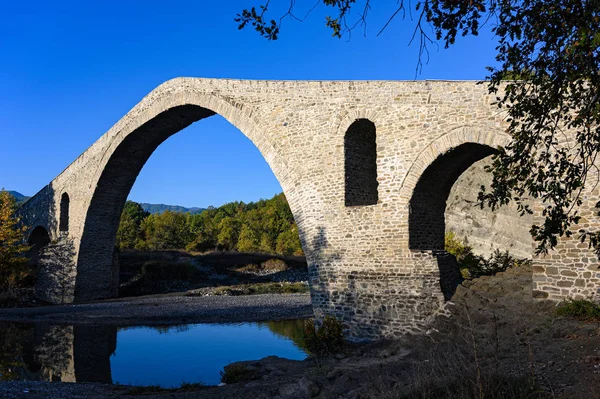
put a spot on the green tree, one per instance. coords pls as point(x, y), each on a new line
point(247, 240)
point(168, 230)
point(13, 263)
point(547, 80)
point(129, 231)
point(228, 233)
point(288, 242)
point(263, 226)
point(266, 243)
point(135, 211)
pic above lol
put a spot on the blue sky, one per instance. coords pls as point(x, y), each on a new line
point(70, 69)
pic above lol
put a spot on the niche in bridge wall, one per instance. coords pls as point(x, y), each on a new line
point(64, 213)
point(360, 164)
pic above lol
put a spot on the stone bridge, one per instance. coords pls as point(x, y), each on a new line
point(367, 167)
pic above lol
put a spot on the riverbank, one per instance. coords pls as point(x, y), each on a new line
point(211, 273)
point(168, 309)
point(492, 339)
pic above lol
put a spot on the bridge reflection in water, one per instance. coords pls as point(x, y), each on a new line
point(64, 353)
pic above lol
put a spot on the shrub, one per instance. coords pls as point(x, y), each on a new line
point(473, 266)
point(581, 309)
point(263, 288)
point(463, 253)
point(273, 264)
point(235, 372)
point(327, 339)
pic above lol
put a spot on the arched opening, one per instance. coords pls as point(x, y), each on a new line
point(428, 203)
point(64, 213)
point(360, 167)
point(427, 224)
point(98, 273)
point(39, 238)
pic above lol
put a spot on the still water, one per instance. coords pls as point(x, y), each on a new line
point(165, 356)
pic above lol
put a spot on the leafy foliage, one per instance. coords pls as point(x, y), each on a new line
point(13, 263)
point(325, 340)
point(582, 309)
point(547, 82)
point(129, 232)
point(264, 226)
point(472, 265)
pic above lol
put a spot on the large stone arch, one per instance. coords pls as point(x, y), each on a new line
point(128, 150)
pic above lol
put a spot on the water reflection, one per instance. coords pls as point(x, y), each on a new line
point(65, 353)
point(158, 355)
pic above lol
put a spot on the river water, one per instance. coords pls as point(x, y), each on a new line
point(150, 355)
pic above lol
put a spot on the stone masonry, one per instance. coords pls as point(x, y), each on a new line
point(373, 235)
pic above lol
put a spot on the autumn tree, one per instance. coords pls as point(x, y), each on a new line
point(13, 263)
point(546, 79)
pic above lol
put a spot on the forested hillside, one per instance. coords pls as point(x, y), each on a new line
point(20, 198)
point(264, 226)
point(160, 208)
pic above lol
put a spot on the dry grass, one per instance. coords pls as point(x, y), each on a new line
point(263, 288)
point(270, 266)
point(475, 362)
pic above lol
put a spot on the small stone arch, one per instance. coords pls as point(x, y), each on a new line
point(63, 225)
point(493, 137)
point(427, 186)
point(360, 164)
point(427, 204)
point(39, 237)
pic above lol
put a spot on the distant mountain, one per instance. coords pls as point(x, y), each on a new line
point(18, 196)
point(160, 208)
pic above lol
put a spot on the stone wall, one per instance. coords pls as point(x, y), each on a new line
point(483, 229)
point(572, 270)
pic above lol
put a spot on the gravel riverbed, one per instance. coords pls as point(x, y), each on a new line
point(169, 309)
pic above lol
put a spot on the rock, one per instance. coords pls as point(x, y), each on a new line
point(333, 374)
point(276, 373)
point(304, 388)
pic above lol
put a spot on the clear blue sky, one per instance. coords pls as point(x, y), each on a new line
point(70, 69)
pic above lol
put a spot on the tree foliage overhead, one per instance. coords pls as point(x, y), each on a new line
point(264, 226)
point(546, 79)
